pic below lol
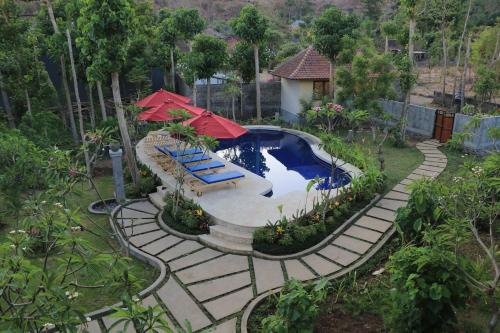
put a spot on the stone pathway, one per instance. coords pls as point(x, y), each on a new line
point(210, 288)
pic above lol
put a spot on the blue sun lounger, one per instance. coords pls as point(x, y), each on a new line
point(205, 166)
point(212, 179)
point(177, 153)
point(192, 159)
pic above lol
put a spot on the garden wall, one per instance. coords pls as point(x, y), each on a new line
point(420, 118)
point(449, 100)
point(479, 143)
point(221, 102)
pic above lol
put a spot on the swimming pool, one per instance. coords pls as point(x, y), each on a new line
point(284, 159)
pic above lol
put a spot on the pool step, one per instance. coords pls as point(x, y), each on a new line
point(157, 197)
point(225, 245)
point(231, 235)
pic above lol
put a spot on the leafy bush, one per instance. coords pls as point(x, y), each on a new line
point(44, 128)
point(189, 217)
point(298, 307)
point(147, 184)
point(421, 211)
point(427, 289)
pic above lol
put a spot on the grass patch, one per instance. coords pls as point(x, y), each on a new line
point(93, 299)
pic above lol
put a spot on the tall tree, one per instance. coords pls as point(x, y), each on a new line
point(389, 30)
point(64, 77)
point(406, 64)
point(329, 30)
point(251, 26)
point(104, 40)
point(208, 57)
point(168, 35)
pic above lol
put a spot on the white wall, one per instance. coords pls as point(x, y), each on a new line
point(292, 91)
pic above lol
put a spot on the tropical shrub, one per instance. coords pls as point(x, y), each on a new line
point(189, 217)
point(147, 184)
point(427, 289)
point(422, 210)
point(44, 128)
point(298, 307)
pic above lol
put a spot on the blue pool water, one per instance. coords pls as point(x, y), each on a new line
point(284, 159)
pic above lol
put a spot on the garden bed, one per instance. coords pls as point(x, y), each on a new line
point(189, 218)
point(319, 233)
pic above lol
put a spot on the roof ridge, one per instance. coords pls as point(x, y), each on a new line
point(301, 63)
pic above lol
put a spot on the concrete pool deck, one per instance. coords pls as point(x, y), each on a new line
point(243, 208)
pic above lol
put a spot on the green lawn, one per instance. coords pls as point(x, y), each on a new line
point(93, 299)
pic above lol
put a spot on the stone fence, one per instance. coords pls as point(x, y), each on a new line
point(246, 109)
point(420, 118)
point(479, 142)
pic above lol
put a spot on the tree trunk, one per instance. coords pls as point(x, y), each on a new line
point(64, 77)
point(209, 95)
point(242, 97)
point(462, 83)
point(172, 69)
point(459, 53)
point(233, 107)
point(331, 85)
point(79, 107)
point(69, 104)
point(6, 104)
point(101, 100)
point(257, 82)
point(195, 102)
point(92, 108)
point(28, 102)
point(122, 124)
point(386, 50)
point(445, 65)
point(407, 101)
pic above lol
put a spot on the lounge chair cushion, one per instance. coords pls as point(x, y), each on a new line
point(205, 166)
point(214, 178)
point(193, 158)
point(190, 151)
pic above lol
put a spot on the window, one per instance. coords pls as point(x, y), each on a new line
point(320, 89)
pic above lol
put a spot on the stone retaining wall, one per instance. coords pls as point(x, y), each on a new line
point(480, 142)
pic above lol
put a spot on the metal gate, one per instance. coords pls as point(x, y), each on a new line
point(443, 126)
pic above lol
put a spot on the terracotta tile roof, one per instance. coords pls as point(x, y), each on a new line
point(308, 64)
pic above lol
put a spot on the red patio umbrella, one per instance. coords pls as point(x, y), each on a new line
point(161, 96)
point(215, 126)
point(162, 112)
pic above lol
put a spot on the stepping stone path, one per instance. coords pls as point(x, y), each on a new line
point(210, 288)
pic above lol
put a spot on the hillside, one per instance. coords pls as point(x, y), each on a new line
point(215, 10)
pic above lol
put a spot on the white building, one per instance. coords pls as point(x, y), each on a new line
point(304, 77)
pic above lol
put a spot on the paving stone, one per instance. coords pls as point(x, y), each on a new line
point(362, 233)
point(434, 154)
point(397, 196)
point(373, 223)
point(381, 213)
point(217, 267)
point(406, 181)
point(181, 306)
point(140, 229)
point(435, 164)
point(226, 327)
point(180, 249)
point(91, 327)
point(213, 288)
point(124, 223)
point(161, 244)
point(120, 328)
point(151, 301)
point(193, 259)
point(428, 151)
point(401, 188)
point(321, 266)
point(130, 213)
point(431, 168)
point(296, 270)
point(352, 244)
point(144, 206)
point(415, 176)
point(229, 304)
point(268, 274)
point(435, 159)
point(426, 173)
point(390, 204)
point(339, 255)
point(143, 239)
